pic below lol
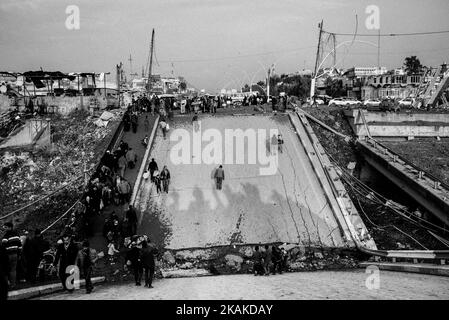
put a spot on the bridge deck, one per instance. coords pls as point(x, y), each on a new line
point(288, 206)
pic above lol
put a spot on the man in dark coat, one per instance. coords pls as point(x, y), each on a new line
point(4, 272)
point(66, 254)
point(276, 259)
point(33, 251)
point(267, 260)
point(131, 218)
point(152, 167)
point(85, 261)
point(13, 246)
point(165, 179)
point(134, 257)
point(148, 254)
point(219, 177)
point(258, 262)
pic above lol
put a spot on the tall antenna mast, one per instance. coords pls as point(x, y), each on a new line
point(151, 62)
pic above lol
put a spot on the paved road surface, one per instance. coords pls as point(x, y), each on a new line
point(287, 206)
point(289, 286)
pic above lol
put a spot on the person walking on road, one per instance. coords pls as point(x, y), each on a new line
point(131, 218)
point(157, 181)
point(124, 189)
point(135, 261)
point(152, 167)
point(280, 143)
point(267, 260)
point(148, 254)
point(258, 262)
point(219, 176)
point(13, 245)
point(163, 125)
point(165, 178)
point(277, 259)
point(4, 271)
point(85, 261)
point(131, 158)
point(33, 250)
point(146, 124)
point(122, 163)
point(66, 254)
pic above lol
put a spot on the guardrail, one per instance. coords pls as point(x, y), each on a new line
point(394, 255)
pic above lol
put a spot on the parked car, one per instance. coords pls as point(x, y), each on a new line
point(406, 102)
point(343, 102)
point(371, 103)
point(389, 105)
point(318, 101)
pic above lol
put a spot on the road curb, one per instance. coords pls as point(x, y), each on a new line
point(34, 292)
point(421, 268)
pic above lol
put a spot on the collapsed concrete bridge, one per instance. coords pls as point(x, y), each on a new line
point(303, 202)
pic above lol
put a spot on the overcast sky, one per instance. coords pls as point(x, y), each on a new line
point(213, 43)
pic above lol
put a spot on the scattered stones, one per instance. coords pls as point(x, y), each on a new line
point(318, 255)
point(168, 258)
point(234, 261)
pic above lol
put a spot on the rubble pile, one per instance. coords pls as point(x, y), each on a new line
point(232, 259)
point(29, 175)
point(9, 120)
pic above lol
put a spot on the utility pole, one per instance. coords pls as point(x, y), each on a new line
point(320, 25)
point(151, 62)
point(130, 65)
point(119, 76)
point(378, 49)
point(312, 84)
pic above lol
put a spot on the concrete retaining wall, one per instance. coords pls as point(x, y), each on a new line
point(391, 124)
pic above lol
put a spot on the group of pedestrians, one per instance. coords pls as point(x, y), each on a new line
point(141, 259)
point(22, 259)
point(161, 179)
point(269, 261)
point(23, 255)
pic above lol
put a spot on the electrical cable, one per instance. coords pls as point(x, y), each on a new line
point(390, 34)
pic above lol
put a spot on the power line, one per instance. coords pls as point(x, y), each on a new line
point(235, 57)
point(390, 34)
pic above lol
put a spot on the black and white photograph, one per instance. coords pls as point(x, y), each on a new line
point(224, 154)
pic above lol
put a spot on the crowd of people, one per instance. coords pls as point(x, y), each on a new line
point(28, 259)
point(269, 261)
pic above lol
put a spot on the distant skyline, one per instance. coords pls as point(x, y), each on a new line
point(213, 43)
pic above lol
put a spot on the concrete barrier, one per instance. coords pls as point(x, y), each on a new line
point(38, 291)
point(421, 268)
point(144, 162)
point(398, 124)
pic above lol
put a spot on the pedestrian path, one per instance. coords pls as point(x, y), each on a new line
point(336, 285)
point(134, 141)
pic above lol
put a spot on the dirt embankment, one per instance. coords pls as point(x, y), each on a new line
point(378, 219)
point(428, 154)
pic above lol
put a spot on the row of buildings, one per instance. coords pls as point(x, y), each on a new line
point(365, 83)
